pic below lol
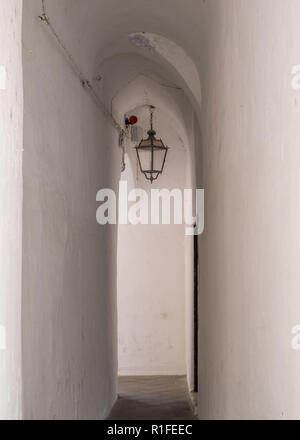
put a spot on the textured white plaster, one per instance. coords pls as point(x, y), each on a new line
point(2, 337)
point(250, 278)
point(2, 78)
point(175, 55)
point(69, 261)
point(11, 128)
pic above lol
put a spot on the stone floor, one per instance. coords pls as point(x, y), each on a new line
point(153, 398)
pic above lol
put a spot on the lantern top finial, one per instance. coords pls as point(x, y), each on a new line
point(151, 132)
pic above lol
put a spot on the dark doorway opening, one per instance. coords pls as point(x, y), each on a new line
point(196, 283)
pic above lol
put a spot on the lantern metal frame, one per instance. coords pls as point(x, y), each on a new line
point(155, 145)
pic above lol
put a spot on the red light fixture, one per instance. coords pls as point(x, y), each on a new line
point(132, 120)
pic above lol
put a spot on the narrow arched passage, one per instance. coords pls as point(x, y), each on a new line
point(70, 71)
point(70, 293)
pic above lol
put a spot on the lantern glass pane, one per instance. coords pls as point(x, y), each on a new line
point(145, 159)
point(145, 143)
point(159, 143)
point(159, 156)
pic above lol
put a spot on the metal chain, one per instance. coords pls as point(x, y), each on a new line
point(151, 108)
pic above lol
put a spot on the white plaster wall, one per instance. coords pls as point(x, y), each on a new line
point(69, 261)
point(249, 258)
point(151, 270)
point(11, 131)
point(249, 295)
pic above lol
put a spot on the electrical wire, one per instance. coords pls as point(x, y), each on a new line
point(85, 82)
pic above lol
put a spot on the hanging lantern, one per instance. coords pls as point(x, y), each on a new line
point(151, 153)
